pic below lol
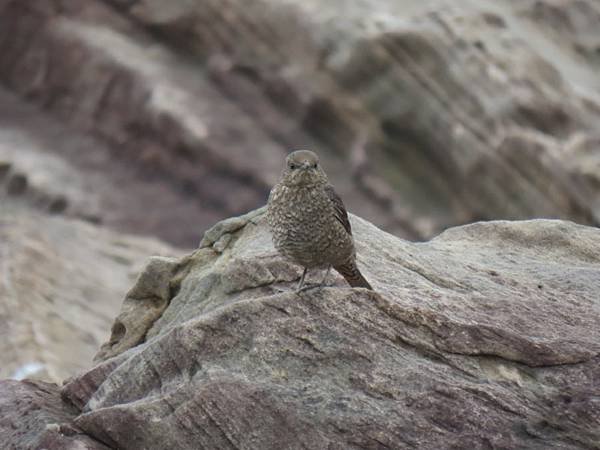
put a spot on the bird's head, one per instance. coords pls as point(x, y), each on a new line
point(302, 168)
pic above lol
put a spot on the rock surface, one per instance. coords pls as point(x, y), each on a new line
point(441, 113)
point(161, 117)
point(32, 416)
point(53, 169)
point(60, 286)
point(484, 337)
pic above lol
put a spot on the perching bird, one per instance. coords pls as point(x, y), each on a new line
point(309, 222)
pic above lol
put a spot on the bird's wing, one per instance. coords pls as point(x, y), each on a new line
point(339, 209)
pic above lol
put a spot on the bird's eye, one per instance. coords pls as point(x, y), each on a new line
point(293, 166)
point(314, 165)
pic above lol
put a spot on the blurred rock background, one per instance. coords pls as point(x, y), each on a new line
point(159, 118)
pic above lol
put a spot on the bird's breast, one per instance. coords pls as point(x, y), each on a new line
point(304, 227)
point(298, 212)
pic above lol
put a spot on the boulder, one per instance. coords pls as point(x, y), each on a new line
point(32, 416)
point(485, 337)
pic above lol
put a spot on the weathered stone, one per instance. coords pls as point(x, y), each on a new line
point(160, 117)
point(32, 417)
point(228, 226)
point(68, 172)
point(60, 284)
point(434, 87)
point(484, 337)
point(143, 305)
point(207, 96)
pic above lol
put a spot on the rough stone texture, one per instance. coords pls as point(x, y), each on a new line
point(60, 286)
point(485, 337)
point(32, 416)
point(443, 113)
point(52, 168)
point(159, 117)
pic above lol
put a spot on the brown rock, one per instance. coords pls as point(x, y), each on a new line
point(184, 92)
point(60, 286)
point(54, 169)
point(32, 416)
point(160, 117)
point(485, 336)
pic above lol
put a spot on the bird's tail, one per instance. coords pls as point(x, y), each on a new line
point(352, 275)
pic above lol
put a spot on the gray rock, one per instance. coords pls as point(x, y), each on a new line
point(61, 284)
point(143, 305)
point(50, 167)
point(485, 337)
point(442, 113)
point(33, 417)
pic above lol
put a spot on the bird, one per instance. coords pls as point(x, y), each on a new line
point(309, 223)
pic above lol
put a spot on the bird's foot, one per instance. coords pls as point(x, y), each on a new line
point(297, 290)
point(301, 287)
point(308, 287)
point(279, 290)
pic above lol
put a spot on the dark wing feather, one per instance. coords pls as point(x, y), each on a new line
point(339, 209)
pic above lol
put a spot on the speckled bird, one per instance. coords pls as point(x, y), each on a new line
point(309, 222)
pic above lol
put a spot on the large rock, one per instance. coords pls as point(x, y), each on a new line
point(485, 337)
point(442, 113)
point(32, 416)
point(60, 286)
point(52, 168)
point(438, 89)
point(32, 176)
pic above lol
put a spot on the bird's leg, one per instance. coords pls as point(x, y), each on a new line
point(325, 277)
point(302, 288)
point(301, 284)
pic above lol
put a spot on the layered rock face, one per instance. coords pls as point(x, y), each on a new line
point(61, 285)
point(440, 113)
point(484, 337)
point(62, 277)
point(162, 117)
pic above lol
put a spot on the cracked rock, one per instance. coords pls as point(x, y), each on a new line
point(484, 337)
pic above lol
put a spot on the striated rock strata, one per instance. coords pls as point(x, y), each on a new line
point(60, 286)
point(442, 113)
point(485, 337)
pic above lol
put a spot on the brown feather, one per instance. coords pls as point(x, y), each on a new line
point(340, 212)
point(352, 275)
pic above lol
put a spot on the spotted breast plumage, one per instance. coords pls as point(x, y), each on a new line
point(309, 222)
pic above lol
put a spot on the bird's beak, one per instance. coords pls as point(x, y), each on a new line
point(306, 165)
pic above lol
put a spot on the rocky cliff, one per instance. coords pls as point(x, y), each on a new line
point(160, 118)
point(485, 337)
point(442, 113)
